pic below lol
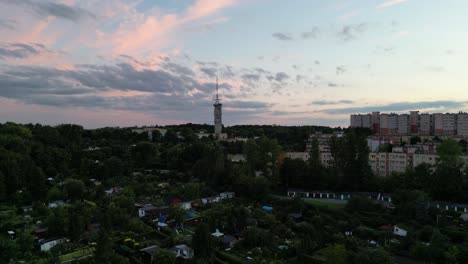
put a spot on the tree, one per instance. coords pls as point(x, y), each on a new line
point(334, 254)
point(411, 204)
point(36, 183)
point(114, 167)
point(164, 256)
point(350, 166)
point(372, 256)
point(201, 242)
point(360, 204)
point(293, 172)
point(104, 250)
point(463, 145)
point(415, 140)
point(74, 189)
point(25, 242)
point(144, 154)
point(176, 213)
point(448, 178)
point(2, 187)
point(56, 222)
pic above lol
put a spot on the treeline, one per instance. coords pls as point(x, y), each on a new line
point(349, 170)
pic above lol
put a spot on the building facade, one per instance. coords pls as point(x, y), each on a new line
point(440, 124)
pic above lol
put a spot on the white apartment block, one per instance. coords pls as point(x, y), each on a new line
point(419, 159)
point(384, 164)
point(392, 123)
point(326, 159)
point(298, 155)
point(384, 124)
point(378, 162)
point(462, 124)
point(356, 121)
point(449, 124)
point(414, 121)
point(403, 121)
point(367, 121)
point(398, 162)
point(425, 124)
point(439, 124)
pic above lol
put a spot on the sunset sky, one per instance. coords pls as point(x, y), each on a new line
point(298, 62)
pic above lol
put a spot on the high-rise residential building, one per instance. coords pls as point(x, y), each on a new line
point(392, 123)
point(356, 121)
point(425, 124)
point(440, 124)
point(462, 124)
point(375, 119)
point(403, 124)
point(384, 124)
point(449, 124)
point(367, 121)
point(414, 121)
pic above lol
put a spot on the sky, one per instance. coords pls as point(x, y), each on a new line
point(299, 62)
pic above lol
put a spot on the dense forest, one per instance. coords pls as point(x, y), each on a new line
point(89, 186)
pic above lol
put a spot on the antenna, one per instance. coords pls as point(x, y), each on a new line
point(217, 96)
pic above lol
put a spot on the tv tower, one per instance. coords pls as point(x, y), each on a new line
point(218, 114)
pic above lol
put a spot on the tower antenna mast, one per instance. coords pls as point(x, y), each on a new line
point(217, 94)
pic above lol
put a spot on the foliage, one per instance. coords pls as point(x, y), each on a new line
point(202, 243)
point(164, 256)
point(334, 254)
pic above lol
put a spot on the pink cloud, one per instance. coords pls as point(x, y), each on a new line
point(147, 32)
point(391, 3)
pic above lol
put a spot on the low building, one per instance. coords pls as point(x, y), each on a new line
point(398, 231)
point(183, 251)
point(148, 253)
point(57, 203)
point(236, 158)
point(227, 195)
point(208, 200)
point(228, 241)
point(185, 205)
point(298, 155)
point(148, 210)
point(48, 244)
point(464, 217)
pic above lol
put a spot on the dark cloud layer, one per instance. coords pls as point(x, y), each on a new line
point(282, 36)
point(7, 23)
point(46, 8)
point(350, 32)
point(21, 50)
point(169, 92)
point(327, 102)
point(312, 34)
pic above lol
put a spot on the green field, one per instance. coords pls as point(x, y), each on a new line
point(78, 254)
point(326, 204)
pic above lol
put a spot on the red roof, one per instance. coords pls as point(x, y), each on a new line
point(176, 201)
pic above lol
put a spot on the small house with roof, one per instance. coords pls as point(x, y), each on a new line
point(183, 251)
point(50, 243)
point(227, 195)
point(398, 231)
point(228, 241)
point(147, 253)
point(149, 210)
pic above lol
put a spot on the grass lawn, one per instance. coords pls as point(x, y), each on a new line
point(80, 253)
point(327, 204)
